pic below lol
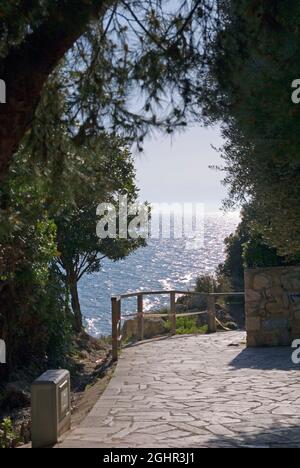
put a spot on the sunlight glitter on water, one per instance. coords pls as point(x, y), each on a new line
point(163, 264)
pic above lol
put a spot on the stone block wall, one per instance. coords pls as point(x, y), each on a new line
point(272, 304)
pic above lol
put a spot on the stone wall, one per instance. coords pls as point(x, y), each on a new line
point(272, 306)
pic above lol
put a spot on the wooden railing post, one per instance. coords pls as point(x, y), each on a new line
point(140, 317)
point(211, 309)
point(116, 317)
point(173, 312)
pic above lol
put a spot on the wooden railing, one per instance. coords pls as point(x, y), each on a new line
point(116, 302)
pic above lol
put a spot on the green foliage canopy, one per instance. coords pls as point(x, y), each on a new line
point(254, 61)
point(125, 66)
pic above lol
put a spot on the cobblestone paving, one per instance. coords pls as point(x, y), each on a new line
point(197, 391)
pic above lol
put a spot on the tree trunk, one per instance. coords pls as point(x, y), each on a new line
point(75, 303)
point(26, 69)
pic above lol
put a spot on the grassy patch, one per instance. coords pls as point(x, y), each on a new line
point(187, 326)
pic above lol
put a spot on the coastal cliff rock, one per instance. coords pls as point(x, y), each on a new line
point(152, 327)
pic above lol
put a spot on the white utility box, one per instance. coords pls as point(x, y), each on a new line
point(50, 407)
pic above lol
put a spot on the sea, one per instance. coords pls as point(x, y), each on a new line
point(164, 264)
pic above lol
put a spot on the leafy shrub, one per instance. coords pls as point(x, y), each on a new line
point(206, 284)
point(58, 319)
point(214, 284)
point(187, 326)
point(8, 438)
point(35, 317)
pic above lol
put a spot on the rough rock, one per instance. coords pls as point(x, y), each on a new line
point(272, 305)
point(16, 395)
point(25, 431)
point(237, 314)
point(231, 326)
point(152, 327)
point(275, 324)
point(261, 281)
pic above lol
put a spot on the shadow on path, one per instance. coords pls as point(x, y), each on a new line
point(265, 359)
point(273, 437)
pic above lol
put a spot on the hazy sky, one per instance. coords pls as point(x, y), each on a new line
point(177, 170)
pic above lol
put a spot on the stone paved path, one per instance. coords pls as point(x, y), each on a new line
point(196, 391)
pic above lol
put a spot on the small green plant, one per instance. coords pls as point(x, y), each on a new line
point(8, 438)
point(187, 326)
